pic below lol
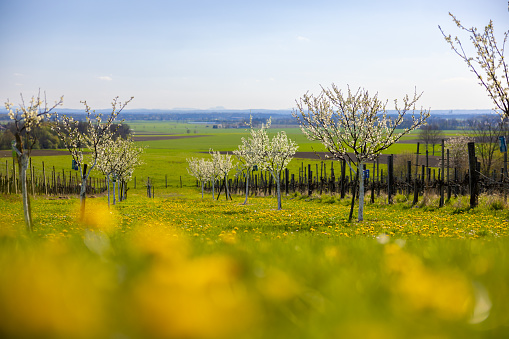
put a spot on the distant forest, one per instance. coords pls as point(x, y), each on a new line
point(46, 138)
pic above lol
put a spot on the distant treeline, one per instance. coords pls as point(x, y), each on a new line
point(446, 120)
point(46, 138)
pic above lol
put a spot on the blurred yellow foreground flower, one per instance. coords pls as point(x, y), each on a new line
point(44, 292)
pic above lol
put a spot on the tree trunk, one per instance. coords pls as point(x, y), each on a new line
point(213, 189)
point(114, 192)
point(278, 192)
point(354, 193)
point(27, 214)
point(83, 193)
point(227, 191)
point(360, 174)
point(202, 184)
point(108, 179)
point(247, 187)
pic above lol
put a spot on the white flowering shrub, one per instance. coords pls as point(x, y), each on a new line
point(458, 152)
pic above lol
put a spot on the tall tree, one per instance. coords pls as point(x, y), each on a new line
point(249, 152)
point(129, 157)
point(458, 152)
point(117, 160)
point(354, 126)
point(223, 164)
point(489, 65)
point(200, 169)
point(214, 173)
point(277, 154)
point(26, 118)
point(485, 132)
point(431, 134)
point(97, 133)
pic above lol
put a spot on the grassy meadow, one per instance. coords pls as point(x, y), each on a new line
point(179, 266)
point(165, 160)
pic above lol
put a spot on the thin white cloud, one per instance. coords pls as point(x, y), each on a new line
point(303, 39)
point(105, 78)
point(18, 74)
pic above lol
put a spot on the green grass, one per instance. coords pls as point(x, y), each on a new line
point(178, 266)
point(226, 270)
point(167, 158)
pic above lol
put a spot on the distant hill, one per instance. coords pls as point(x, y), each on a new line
point(221, 110)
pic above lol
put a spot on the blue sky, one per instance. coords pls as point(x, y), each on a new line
point(237, 54)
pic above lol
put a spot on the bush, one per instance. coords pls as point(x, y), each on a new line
point(429, 202)
point(328, 199)
point(400, 198)
point(401, 163)
point(493, 202)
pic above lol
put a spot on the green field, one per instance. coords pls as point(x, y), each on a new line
point(165, 160)
point(179, 266)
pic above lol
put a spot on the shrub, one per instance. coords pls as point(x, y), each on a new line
point(493, 202)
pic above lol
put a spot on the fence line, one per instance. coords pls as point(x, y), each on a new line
point(324, 181)
point(327, 177)
point(39, 182)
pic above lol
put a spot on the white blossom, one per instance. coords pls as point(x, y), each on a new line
point(25, 119)
point(488, 65)
point(97, 135)
point(355, 126)
point(250, 152)
point(276, 155)
point(221, 166)
point(201, 169)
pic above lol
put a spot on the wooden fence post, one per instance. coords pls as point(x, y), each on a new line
point(448, 178)
point(416, 180)
point(409, 176)
point(472, 167)
point(427, 166)
point(505, 176)
point(310, 180)
point(343, 178)
point(442, 177)
point(373, 183)
point(332, 179)
point(287, 181)
point(7, 176)
point(390, 178)
point(14, 183)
